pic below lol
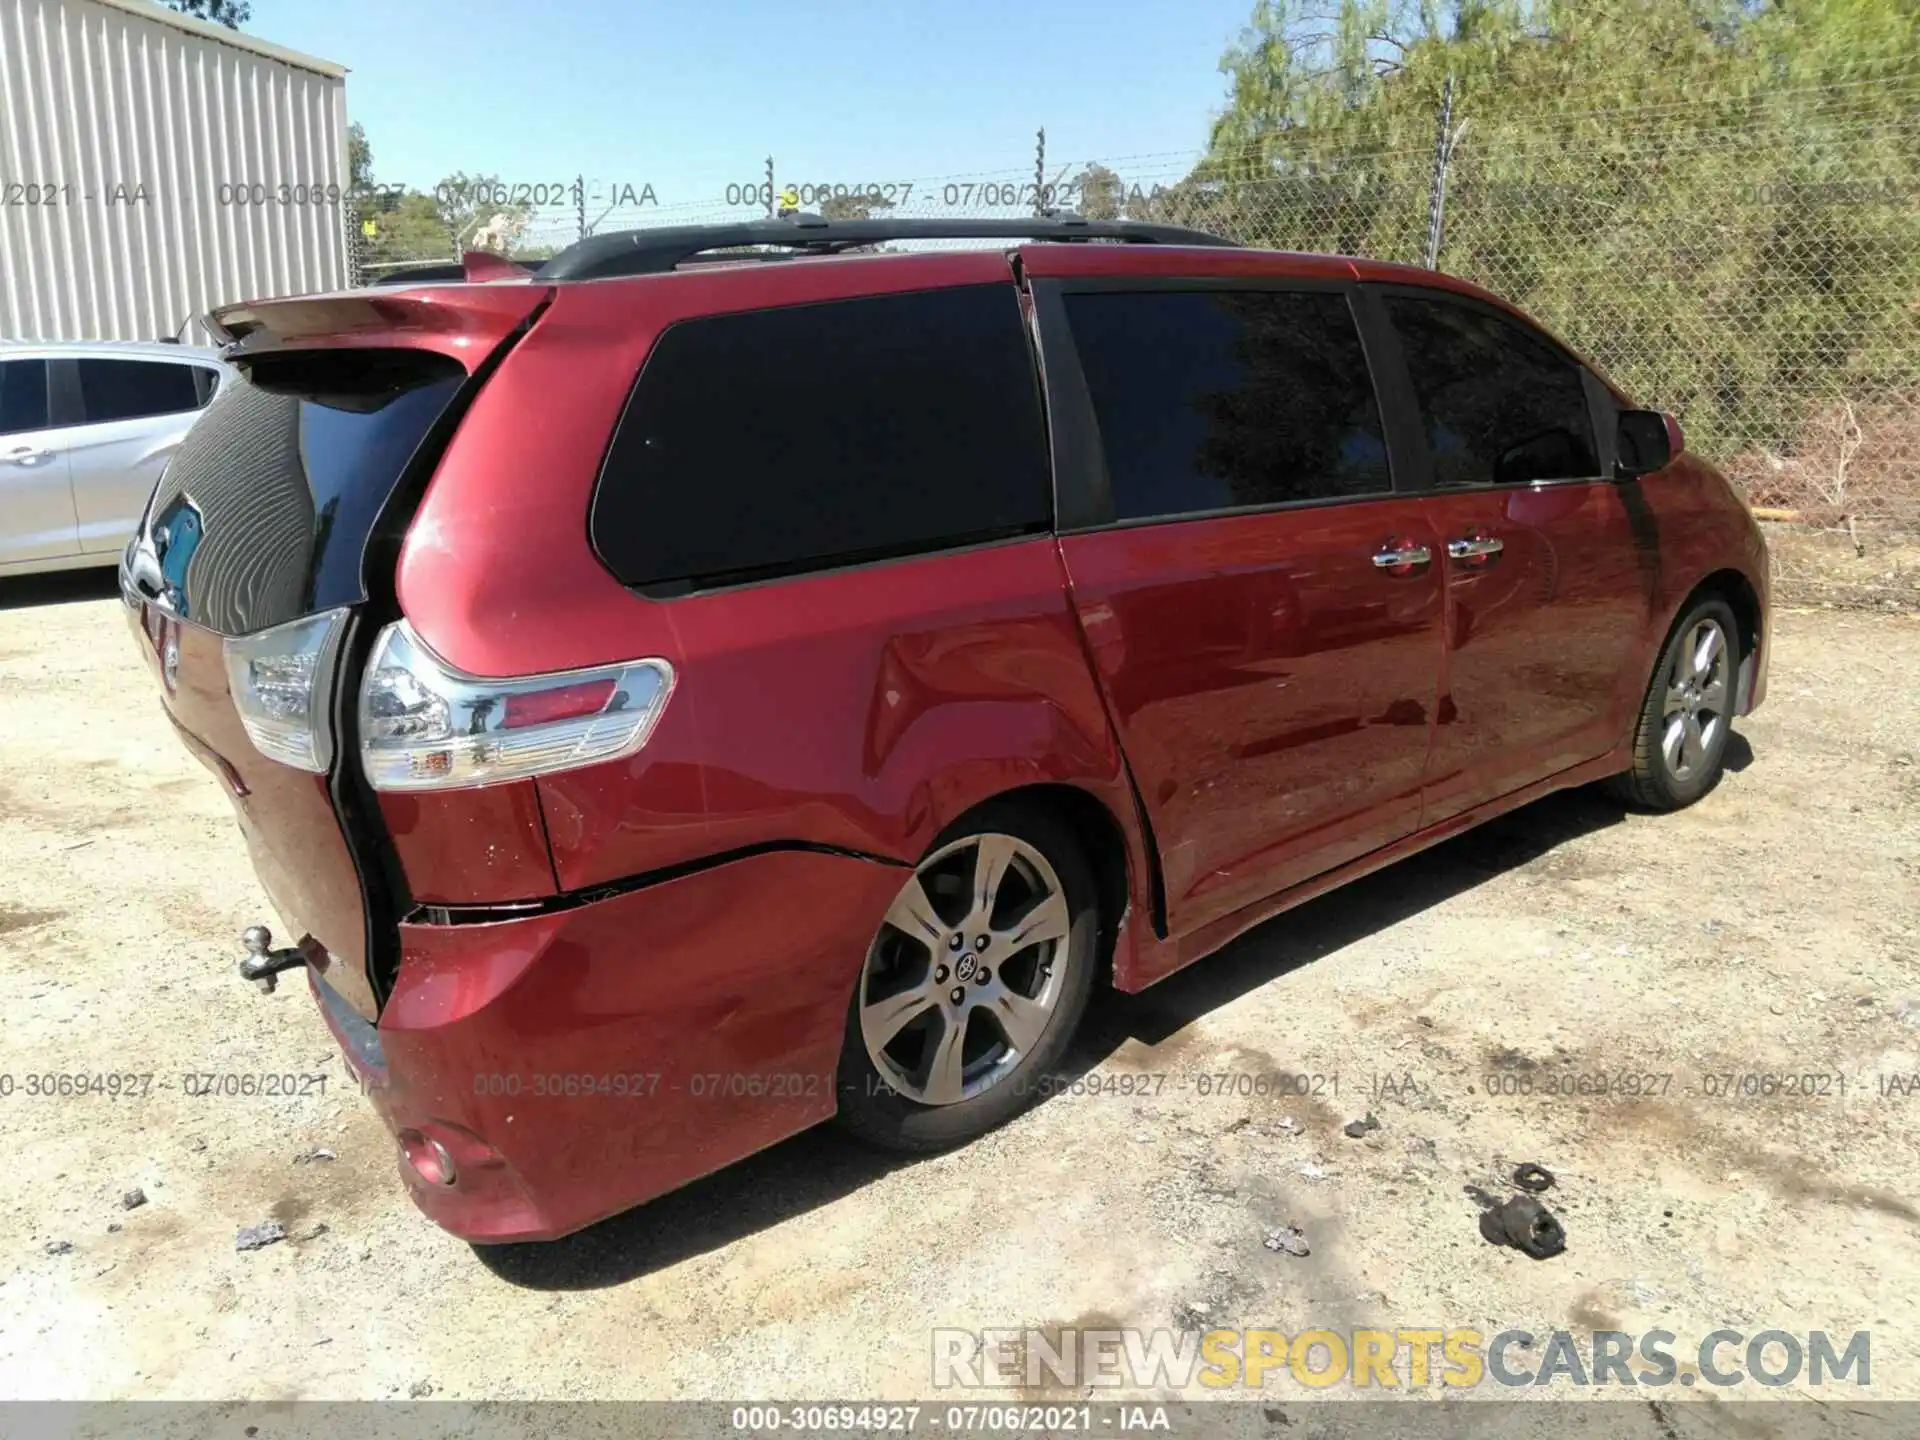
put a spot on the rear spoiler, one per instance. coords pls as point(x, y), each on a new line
point(465, 323)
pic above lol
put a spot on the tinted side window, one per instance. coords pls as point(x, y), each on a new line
point(780, 440)
point(23, 396)
point(1500, 406)
point(1213, 400)
point(130, 389)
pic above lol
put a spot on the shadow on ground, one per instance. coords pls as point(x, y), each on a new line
point(58, 587)
point(824, 1164)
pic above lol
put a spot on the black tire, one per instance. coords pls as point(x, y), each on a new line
point(869, 1104)
point(1655, 781)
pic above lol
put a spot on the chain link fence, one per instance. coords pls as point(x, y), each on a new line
point(1752, 266)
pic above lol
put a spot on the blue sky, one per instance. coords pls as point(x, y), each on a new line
point(692, 95)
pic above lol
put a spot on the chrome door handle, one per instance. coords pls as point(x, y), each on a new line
point(1411, 555)
point(27, 455)
point(1473, 549)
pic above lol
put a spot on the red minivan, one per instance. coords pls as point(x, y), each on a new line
point(737, 675)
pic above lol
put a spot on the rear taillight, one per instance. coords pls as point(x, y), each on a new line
point(282, 680)
point(427, 726)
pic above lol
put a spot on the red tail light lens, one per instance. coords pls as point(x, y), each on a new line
point(563, 702)
point(427, 726)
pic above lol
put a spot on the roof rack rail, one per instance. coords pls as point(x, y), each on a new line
point(656, 251)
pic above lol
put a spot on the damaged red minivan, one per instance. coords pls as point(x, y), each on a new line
point(737, 675)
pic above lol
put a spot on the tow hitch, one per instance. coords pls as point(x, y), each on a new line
point(263, 963)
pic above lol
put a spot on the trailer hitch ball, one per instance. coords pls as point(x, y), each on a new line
point(263, 963)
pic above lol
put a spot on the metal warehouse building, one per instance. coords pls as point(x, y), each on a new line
point(153, 166)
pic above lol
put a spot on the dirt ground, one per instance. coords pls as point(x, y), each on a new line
point(1770, 930)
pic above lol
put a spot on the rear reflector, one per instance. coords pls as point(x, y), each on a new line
point(281, 680)
point(426, 726)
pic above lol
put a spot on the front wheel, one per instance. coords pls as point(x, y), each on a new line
point(1680, 737)
point(973, 985)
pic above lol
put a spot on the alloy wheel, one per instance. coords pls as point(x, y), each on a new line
point(1693, 717)
point(966, 970)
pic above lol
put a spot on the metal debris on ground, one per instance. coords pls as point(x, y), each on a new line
point(133, 1199)
point(1289, 1240)
point(307, 1157)
point(1526, 1225)
point(1355, 1129)
point(258, 1237)
point(59, 1247)
point(1533, 1178)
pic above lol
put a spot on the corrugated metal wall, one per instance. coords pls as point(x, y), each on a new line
point(122, 139)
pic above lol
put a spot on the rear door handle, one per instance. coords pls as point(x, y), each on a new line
point(27, 455)
point(1474, 549)
point(1407, 555)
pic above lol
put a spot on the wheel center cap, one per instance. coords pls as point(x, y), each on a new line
point(964, 968)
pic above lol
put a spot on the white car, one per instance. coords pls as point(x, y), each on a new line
point(86, 427)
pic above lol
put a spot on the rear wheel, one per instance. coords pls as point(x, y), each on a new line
point(1680, 738)
point(973, 984)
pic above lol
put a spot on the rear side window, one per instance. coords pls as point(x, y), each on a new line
point(282, 479)
point(1500, 406)
point(1220, 400)
point(777, 441)
point(23, 396)
point(134, 389)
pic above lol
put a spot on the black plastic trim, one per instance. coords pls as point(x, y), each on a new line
point(593, 894)
point(64, 407)
point(1605, 411)
point(1082, 494)
point(362, 1036)
point(1407, 453)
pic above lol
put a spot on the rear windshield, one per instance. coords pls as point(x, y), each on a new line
point(778, 441)
point(276, 489)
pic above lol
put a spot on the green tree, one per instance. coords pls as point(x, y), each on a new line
point(854, 207)
point(1097, 193)
point(359, 159)
point(230, 13)
point(1714, 198)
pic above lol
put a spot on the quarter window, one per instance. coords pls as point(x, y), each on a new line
point(1500, 406)
point(777, 441)
point(1220, 400)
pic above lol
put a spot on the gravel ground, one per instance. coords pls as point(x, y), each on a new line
point(1459, 997)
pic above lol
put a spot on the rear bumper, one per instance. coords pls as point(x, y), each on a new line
point(574, 1063)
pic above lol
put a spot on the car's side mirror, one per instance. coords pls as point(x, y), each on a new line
point(1646, 441)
